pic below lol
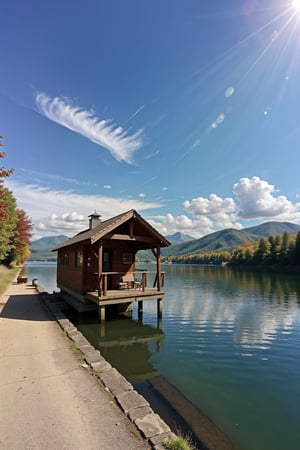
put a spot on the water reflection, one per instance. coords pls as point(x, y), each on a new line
point(254, 307)
point(230, 344)
point(128, 344)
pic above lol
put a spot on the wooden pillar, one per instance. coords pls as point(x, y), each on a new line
point(85, 268)
point(100, 259)
point(102, 328)
point(159, 307)
point(102, 313)
point(140, 310)
point(158, 268)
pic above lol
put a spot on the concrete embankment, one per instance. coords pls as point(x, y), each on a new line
point(54, 394)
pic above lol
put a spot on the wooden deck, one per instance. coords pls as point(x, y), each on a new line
point(118, 296)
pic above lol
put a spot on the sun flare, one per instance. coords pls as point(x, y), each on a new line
point(296, 4)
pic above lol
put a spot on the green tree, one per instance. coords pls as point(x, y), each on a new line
point(15, 226)
point(297, 249)
point(263, 251)
point(8, 222)
point(284, 249)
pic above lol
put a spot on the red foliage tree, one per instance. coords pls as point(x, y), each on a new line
point(22, 237)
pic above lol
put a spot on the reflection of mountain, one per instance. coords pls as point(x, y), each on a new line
point(254, 307)
point(125, 344)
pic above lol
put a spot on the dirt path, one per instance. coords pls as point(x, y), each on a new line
point(47, 399)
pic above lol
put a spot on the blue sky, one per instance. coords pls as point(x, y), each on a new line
point(187, 111)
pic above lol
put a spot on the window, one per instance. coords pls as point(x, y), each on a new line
point(64, 259)
point(127, 258)
point(78, 258)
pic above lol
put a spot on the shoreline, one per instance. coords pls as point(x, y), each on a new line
point(163, 397)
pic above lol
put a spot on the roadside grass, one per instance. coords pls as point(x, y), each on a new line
point(6, 276)
point(180, 443)
point(78, 354)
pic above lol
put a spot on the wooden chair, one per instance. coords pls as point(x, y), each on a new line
point(128, 281)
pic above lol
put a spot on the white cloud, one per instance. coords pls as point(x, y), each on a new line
point(170, 224)
point(65, 212)
point(103, 132)
point(209, 206)
point(220, 211)
point(257, 200)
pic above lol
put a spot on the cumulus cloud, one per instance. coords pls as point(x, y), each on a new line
point(65, 212)
point(103, 132)
point(254, 199)
point(257, 200)
point(220, 211)
point(170, 224)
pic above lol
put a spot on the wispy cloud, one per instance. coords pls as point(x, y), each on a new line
point(102, 132)
point(133, 115)
point(65, 212)
point(39, 176)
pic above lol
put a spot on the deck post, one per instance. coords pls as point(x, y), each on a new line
point(159, 307)
point(100, 257)
point(158, 267)
point(140, 309)
point(102, 328)
point(102, 313)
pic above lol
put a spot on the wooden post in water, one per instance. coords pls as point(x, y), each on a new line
point(140, 309)
point(159, 307)
point(102, 313)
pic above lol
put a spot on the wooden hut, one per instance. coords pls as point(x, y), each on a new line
point(99, 264)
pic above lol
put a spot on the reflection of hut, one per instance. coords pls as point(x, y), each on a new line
point(98, 264)
point(126, 344)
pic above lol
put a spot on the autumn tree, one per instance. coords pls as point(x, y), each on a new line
point(8, 221)
point(15, 226)
point(21, 239)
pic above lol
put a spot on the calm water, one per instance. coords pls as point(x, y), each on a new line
point(229, 341)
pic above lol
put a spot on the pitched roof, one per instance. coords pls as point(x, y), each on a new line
point(93, 235)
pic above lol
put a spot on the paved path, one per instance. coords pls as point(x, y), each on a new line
point(48, 400)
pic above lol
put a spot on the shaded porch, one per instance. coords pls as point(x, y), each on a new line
point(104, 296)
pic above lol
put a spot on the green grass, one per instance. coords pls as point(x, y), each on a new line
point(180, 443)
point(6, 276)
point(78, 354)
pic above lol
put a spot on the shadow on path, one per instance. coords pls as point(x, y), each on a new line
point(25, 307)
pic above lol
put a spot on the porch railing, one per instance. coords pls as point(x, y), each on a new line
point(143, 275)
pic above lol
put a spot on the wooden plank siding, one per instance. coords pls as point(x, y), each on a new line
point(106, 252)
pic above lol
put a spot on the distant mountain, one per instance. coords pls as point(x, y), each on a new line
point(183, 244)
point(179, 238)
point(273, 229)
point(230, 238)
point(41, 249)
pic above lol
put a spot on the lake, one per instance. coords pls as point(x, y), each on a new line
point(229, 341)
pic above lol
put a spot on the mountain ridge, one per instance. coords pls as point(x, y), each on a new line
point(230, 238)
point(226, 239)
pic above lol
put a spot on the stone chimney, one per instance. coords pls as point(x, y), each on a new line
point(95, 219)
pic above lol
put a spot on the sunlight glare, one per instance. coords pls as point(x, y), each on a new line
point(296, 5)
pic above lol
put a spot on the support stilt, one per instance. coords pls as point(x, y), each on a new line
point(102, 328)
point(159, 307)
point(102, 313)
point(140, 310)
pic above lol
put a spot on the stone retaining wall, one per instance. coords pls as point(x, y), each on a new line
point(134, 405)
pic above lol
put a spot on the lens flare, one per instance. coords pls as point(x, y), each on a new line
point(296, 5)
